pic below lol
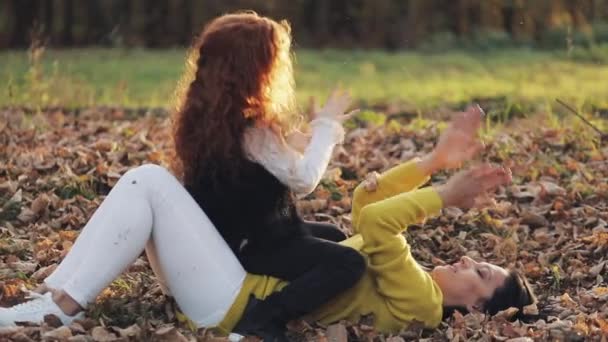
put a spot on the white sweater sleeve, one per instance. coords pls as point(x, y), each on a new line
point(300, 172)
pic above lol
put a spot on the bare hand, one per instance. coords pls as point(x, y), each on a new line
point(459, 142)
point(466, 188)
point(335, 107)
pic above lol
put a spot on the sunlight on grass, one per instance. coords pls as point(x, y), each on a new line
point(136, 78)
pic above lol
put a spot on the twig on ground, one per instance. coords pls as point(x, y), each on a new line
point(602, 134)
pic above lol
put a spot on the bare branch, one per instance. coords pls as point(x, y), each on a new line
point(580, 116)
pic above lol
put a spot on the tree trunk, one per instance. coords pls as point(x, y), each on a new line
point(80, 22)
point(177, 21)
point(523, 26)
point(321, 21)
point(8, 23)
point(137, 22)
point(463, 25)
point(577, 11)
point(416, 21)
point(491, 17)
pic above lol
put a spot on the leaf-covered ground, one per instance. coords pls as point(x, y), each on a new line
point(56, 167)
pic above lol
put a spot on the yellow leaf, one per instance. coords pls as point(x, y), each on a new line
point(69, 235)
point(43, 245)
point(600, 291)
point(603, 324)
point(83, 178)
point(156, 156)
point(582, 328)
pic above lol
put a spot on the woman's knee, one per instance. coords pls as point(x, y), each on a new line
point(336, 235)
point(148, 171)
point(352, 263)
point(148, 174)
point(325, 231)
point(149, 178)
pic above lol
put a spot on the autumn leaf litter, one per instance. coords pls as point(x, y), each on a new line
point(58, 165)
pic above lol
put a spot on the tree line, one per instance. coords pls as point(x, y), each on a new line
point(388, 24)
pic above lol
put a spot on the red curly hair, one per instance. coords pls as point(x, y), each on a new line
point(239, 74)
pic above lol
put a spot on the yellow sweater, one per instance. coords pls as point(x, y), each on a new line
point(394, 287)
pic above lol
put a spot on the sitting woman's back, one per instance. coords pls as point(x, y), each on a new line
point(230, 139)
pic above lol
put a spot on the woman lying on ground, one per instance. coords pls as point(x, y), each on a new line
point(148, 204)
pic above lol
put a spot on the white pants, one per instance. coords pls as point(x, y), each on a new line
point(149, 209)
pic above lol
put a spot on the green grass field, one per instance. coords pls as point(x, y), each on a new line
point(147, 78)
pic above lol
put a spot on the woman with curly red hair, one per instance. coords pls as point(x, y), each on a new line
point(233, 134)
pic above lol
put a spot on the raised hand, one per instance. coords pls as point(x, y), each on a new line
point(335, 107)
point(459, 142)
point(464, 188)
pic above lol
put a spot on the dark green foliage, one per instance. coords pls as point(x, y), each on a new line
point(391, 24)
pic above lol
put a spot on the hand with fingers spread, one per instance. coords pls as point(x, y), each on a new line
point(335, 107)
point(459, 142)
point(464, 188)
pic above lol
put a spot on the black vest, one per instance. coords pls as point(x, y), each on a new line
point(256, 207)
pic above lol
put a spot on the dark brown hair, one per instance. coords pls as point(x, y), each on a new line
point(239, 74)
point(515, 292)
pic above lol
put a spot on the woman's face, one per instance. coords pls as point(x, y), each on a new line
point(468, 283)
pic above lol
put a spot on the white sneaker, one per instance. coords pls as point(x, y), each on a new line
point(34, 311)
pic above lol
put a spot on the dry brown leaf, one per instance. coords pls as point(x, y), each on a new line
point(77, 328)
point(61, 333)
point(23, 266)
point(43, 272)
point(170, 334)
point(40, 204)
point(102, 334)
point(520, 339)
point(507, 314)
point(10, 331)
point(531, 309)
point(131, 331)
point(103, 145)
point(311, 206)
point(534, 220)
point(26, 215)
point(337, 333)
point(370, 184)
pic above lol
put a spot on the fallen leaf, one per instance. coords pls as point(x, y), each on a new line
point(9, 331)
point(102, 334)
point(169, 334)
point(61, 333)
point(337, 333)
point(40, 204)
point(132, 331)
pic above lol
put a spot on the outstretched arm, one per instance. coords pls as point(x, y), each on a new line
point(401, 178)
point(300, 171)
point(457, 144)
point(399, 278)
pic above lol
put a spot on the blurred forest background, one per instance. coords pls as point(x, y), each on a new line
point(425, 53)
point(387, 24)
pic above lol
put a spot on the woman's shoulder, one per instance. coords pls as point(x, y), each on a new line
point(261, 141)
point(260, 131)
